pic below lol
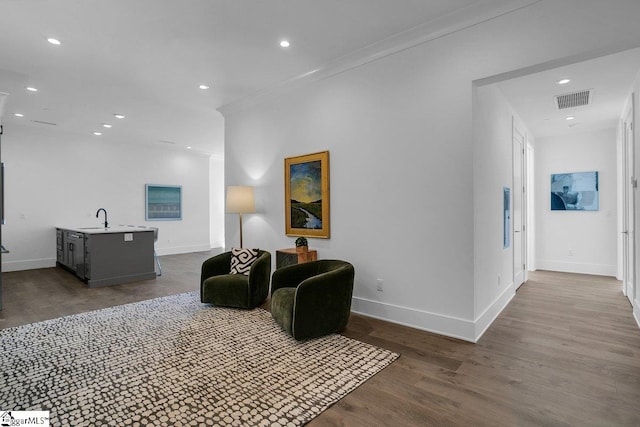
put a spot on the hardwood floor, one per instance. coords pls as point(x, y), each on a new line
point(565, 352)
point(34, 295)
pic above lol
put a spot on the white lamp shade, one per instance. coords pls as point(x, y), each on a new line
point(240, 199)
point(3, 99)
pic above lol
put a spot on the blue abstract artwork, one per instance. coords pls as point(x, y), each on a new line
point(576, 191)
point(163, 202)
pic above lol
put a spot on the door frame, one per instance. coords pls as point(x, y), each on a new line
point(627, 204)
point(519, 155)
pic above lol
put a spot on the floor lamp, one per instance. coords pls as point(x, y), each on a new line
point(240, 200)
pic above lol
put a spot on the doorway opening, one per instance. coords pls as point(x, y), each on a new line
point(594, 136)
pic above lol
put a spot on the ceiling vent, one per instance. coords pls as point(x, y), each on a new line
point(44, 123)
point(574, 99)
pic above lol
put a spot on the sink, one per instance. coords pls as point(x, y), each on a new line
point(91, 228)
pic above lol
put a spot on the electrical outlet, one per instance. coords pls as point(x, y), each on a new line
point(379, 285)
point(570, 252)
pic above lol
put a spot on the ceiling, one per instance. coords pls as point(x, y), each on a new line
point(610, 77)
point(146, 58)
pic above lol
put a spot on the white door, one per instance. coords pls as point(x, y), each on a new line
point(518, 211)
point(628, 237)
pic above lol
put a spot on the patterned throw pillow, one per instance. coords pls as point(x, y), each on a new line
point(242, 259)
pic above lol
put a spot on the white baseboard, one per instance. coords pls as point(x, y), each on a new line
point(490, 314)
point(578, 267)
point(419, 319)
point(28, 264)
point(432, 322)
point(636, 311)
point(182, 249)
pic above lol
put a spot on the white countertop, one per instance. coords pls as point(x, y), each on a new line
point(114, 229)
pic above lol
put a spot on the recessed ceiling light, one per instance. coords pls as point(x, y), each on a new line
point(54, 41)
point(96, 133)
point(284, 43)
point(106, 125)
point(203, 87)
point(18, 114)
point(31, 89)
point(563, 81)
point(119, 116)
point(189, 148)
point(570, 118)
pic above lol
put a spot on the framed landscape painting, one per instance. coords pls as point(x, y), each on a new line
point(306, 189)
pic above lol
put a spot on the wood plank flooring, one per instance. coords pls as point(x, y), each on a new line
point(565, 352)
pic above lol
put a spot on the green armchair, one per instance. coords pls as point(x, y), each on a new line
point(218, 287)
point(312, 299)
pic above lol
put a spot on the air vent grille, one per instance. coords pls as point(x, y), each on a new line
point(574, 99)
point(44, 123)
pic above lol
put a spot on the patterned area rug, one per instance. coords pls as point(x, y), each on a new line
point(174, 361)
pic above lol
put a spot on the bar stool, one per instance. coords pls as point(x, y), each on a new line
point(155, 255)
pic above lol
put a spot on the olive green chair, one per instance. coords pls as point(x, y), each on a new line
point(218, 287)
point(312, 299)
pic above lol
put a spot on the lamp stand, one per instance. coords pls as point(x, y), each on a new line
point(240, 229)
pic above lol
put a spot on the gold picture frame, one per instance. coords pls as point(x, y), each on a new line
point(306, 189)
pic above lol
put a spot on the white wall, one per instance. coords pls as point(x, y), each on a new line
point(216, 201)
point(399, 129)
point(577, 241)
point(400, 202)
point(493, 121)
point(53, 179)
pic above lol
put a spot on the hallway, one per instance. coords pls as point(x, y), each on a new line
point(567, 345)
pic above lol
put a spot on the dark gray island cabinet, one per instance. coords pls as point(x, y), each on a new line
point(106, 256)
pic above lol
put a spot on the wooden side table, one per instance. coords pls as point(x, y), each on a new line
point(289, 256)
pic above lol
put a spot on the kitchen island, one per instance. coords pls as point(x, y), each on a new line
point(106, 256)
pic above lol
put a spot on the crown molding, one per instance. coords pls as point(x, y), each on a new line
point(459, 20)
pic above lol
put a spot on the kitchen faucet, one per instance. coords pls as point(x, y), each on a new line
point(106, 224)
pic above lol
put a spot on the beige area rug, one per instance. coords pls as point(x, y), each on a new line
point(174, 361)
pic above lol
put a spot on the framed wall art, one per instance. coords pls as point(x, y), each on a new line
point(576, 191)
point(163, 202)
point(306, 189)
